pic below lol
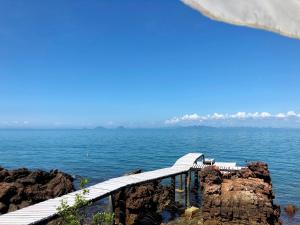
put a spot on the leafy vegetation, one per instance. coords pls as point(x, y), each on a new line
point(76, 214)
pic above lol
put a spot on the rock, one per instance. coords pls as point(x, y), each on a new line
point(260, 169)
point(210, 175)
point(253, 170)
point(24, 204)
point(3, 174)
point(3, 208)
point(16, 199)
point(144, 202)
point(191, 212)
point(238, 198)
point(21, 187)
point(140, 198)
point(243, 197)
point(37, 193)
point(41, 177)
point(149, 218)
point(60, 184)
point(7, 190)
point(16, 174)
point(26, 181)
point(12, 207)
point(137, 171)
point(290, 210)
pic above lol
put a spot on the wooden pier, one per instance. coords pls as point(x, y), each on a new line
point(47, 210)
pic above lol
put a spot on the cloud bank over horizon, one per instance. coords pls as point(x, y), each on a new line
point(289, 119)
point(255, 119)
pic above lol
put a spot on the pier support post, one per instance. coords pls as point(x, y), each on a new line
point(173, 187)
point(196, 180)
point(196, 189)
point(180, 185)
point(187, 189)
point(122, 207)
point(111, 203)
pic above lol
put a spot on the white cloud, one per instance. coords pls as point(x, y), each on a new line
point(191, 117)
point(280, 115)
point(239, 116)
point(187, 117)
point(217, 116)
point(172, 121)
point(265, 115)
point(254, 115)
point(291, 113)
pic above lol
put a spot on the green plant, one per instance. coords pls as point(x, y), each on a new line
point(75, 215)
point(103, 218)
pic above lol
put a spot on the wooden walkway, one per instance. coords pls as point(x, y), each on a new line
point(222, 166)
point(46, 210)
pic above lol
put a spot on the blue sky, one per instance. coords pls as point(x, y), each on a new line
point(66, 63)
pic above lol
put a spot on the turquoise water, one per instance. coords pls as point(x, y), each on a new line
point(101, 154)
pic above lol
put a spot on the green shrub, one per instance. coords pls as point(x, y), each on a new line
point(103, 218)
point(75, 215)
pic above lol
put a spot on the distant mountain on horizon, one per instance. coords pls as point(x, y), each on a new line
point(106, 128)
point(162, 127)
point(100, 128)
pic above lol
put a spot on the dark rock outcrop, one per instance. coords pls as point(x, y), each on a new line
point(21, 187)
point(143, 203)
point(244, 197)
point(290, 210)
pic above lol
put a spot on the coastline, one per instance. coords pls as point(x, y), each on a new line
point(254, 180)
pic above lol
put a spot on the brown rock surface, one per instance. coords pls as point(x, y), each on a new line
point(143, 202)
point(290, 209)
point(243, 198)
point(21, 187)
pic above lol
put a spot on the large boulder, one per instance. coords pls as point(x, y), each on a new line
point(143, 202)
point(7, 190)
point(60, 184)
point(241, 198)
point(13, 175)
point(260, 170)
point(21, 187)
point(210, 175)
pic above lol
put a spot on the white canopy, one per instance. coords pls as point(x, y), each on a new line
point(280, 16)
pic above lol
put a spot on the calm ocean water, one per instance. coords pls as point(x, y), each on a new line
point(101, 154)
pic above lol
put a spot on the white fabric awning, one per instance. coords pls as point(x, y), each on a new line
point(280, 16)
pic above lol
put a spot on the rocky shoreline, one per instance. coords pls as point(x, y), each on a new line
point(237, 198)
point(22, 187)
point(244, 197)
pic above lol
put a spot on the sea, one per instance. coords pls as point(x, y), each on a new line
point(99, 154)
